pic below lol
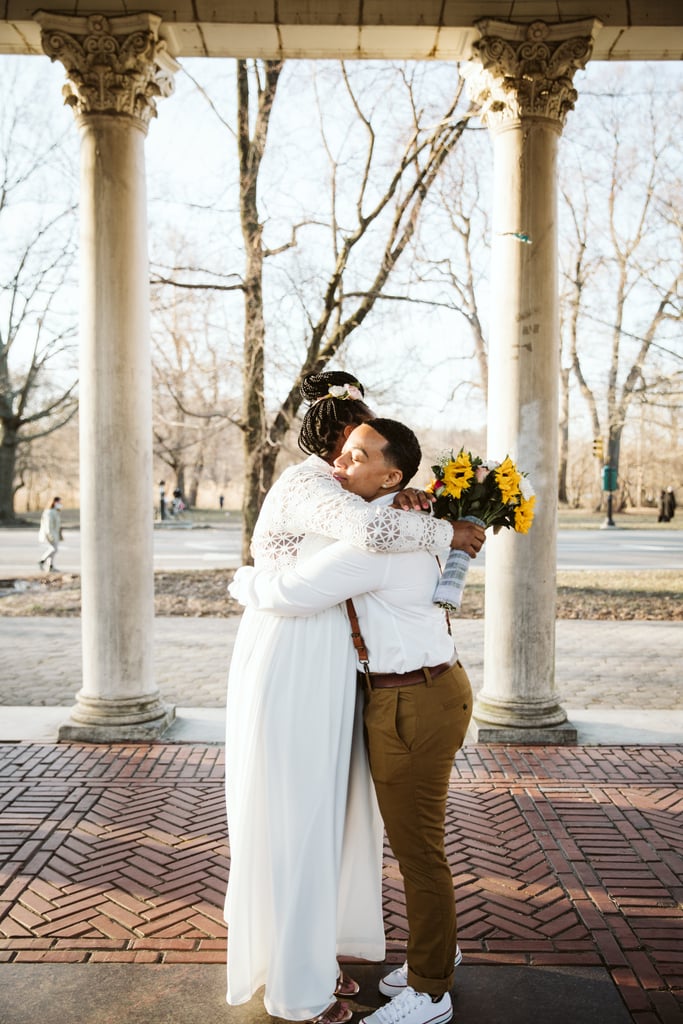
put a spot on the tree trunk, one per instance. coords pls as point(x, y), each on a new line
point(614, 453)
point(259, 474)
point(8, 458)
point(254, 413)
point(562, 496)
point(194, 486)
point(251, 148)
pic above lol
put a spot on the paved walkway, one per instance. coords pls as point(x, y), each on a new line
point(567, 867)
point(620, 681)
point(598, 664)
point(567, 862)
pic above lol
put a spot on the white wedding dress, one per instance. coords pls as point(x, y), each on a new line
point(305, 833)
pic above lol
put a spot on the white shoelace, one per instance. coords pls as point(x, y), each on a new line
point(400, 1006)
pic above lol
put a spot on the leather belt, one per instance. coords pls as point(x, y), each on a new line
point(384, 680)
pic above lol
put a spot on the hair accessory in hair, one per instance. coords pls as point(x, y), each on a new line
point(344, 392)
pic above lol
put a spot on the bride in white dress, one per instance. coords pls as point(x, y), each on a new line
point(304, 829)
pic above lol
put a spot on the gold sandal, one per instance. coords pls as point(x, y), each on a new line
point(336, 1013)
point(346, 986)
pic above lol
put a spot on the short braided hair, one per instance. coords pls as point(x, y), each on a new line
point(327, 416)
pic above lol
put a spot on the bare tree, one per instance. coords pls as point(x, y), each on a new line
point(255, 98)
point(452, 260)
point(388, 203)
point(622, 299)
point(48, 466)
point(37, 323)
point(577, 273)
point(193, 376)
point(309, 282)
point(322, 249)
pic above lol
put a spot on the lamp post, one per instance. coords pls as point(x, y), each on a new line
point(609, 477)
point(609, 481)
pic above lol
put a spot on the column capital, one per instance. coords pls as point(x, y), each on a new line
point(526, 71)
point(114, 65)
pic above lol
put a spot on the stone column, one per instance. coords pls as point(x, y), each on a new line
point(116, 68)
point(521, 75)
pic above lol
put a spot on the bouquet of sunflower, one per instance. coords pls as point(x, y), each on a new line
point(465, 486)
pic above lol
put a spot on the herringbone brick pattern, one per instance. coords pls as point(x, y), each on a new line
point(559, 856)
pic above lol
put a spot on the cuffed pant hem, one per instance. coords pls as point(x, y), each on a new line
point(432, 986)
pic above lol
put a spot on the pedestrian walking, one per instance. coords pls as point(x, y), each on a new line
point(669, 503)
point(50, 534)
point(177, 505)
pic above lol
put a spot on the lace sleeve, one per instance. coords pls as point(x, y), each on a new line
point(306, 499)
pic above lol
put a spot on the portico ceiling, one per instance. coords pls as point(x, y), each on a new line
point(369, 29)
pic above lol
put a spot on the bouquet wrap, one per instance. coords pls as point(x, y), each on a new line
point(449, 589)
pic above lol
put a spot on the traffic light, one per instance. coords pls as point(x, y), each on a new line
point(597, 448)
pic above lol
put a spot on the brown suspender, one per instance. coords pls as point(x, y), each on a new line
point(385, 679)
point(357, 637)
point(445, 611)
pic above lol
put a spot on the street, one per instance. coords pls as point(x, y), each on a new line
point(219, 548)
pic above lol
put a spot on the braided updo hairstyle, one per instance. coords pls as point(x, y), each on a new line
point(327, 417)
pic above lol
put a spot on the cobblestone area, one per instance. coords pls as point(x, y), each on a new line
point(598, 664)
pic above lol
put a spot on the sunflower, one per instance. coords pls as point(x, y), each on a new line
point(457, 475)
point(524, 514)
point(508, 478)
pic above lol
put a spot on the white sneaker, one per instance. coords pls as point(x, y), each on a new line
point(396, 982)
point(411, 1007)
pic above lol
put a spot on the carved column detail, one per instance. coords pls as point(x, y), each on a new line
point(114, 65)
point(521, 71)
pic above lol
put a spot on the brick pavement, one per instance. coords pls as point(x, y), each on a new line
point(561, 857)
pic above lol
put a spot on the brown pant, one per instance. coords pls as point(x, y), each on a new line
point(413, 734)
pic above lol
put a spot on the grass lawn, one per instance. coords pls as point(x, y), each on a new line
point(202, 593)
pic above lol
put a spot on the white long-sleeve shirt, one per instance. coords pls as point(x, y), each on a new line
point(392, 592)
